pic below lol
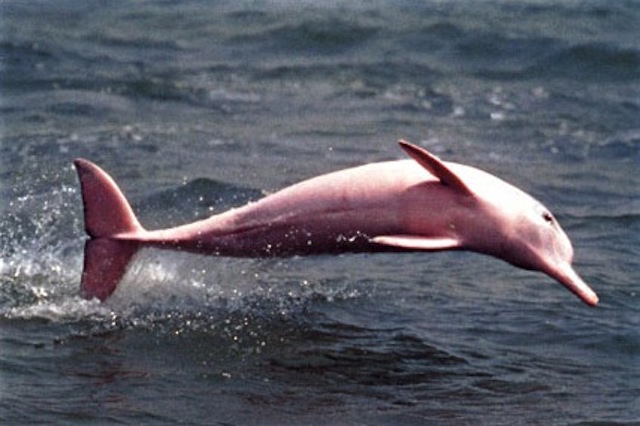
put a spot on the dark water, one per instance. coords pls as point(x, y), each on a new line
point(198, 106)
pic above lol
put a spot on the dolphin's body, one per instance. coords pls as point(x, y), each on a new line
point(418, 204)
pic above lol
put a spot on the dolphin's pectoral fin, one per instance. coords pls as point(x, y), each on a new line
point(411, 242)
point(435, 166)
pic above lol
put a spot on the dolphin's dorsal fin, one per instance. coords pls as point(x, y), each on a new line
point(435, 166)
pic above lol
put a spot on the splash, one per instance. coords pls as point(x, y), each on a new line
point(42, 247)
point(39, 260)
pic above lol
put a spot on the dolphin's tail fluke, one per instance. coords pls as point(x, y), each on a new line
point(113, 228)
point(105, 263)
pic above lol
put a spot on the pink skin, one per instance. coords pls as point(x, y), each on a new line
point(419, 204)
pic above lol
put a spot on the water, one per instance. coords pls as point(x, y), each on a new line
point(197, 106)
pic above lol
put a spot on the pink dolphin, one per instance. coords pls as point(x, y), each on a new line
point(420, 204)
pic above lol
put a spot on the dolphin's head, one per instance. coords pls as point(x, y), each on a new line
point(498, 219)
point(533, 239)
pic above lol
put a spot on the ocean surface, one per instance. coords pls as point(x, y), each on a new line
point(196, 106)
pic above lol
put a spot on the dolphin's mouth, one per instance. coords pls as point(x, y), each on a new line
point(570, 279)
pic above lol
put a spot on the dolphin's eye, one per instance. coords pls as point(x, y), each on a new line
point(548, 217)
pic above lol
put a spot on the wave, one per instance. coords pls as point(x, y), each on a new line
point(593, 61)
point(500, 55)
point(582, 62)
point(329, 35)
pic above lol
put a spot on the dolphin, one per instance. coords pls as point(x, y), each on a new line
point(417, 204)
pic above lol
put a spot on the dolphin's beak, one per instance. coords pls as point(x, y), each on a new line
point(568, 277)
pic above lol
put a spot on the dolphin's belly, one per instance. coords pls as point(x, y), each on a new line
point(319, 232)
